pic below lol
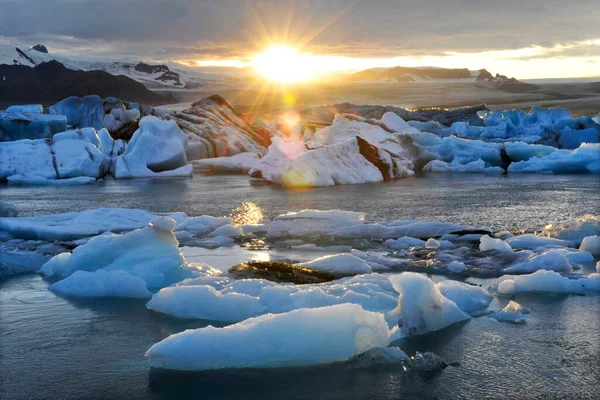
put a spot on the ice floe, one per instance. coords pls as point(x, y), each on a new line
point(591, 244)
point(101, 283)
point(421, 306)
point(300, 337)
point(151, 254)
point(545, 282)
point(513, 312)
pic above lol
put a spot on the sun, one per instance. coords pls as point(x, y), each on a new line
point(284, 64)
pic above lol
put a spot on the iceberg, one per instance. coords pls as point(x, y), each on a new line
point(513, 312)
point(8, 210)
point(530, 241)
point(487, 243)
point(591, 244)
point(552, 260)
point(157, 149)
point(575, 230)
point(543, 281)
point(220, 298)
point(297, 338)
point(151, 254)
point(19, 124)
point(242, 162)
point(473, 300)
point(421, 307)
point(339, 264)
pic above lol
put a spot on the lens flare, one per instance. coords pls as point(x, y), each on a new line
point(284, 64)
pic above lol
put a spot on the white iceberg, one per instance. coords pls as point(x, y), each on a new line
point(552, 260)
point(513, 312)
point(543, 281)
point(297, 338)
point(591, 244)
point(487, 243)
point(151, 254)
point(470, 299)
point(342, 264)
point(421, 306)
point(530, 241)
point(156, 149)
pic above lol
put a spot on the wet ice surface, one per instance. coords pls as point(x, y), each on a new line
point(54, 347)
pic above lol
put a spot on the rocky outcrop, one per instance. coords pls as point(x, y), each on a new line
point(41, 48)
point(279, 272)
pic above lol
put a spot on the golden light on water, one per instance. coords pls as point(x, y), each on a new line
point(246, 213)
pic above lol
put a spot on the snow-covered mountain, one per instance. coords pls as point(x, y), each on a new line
point(433, 74)
point(153, 76)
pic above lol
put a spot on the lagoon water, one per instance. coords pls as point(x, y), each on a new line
point(53, 347)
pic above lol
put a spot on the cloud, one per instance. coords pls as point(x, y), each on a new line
point(174, 29)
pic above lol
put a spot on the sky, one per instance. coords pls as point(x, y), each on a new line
point(526, 39)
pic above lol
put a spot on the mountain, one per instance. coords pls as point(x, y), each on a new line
point(431, 74)
point(50, 82)
point(153, 76)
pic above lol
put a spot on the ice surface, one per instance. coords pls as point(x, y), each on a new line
point(242, 162)
point(377, 356)
point(27, 108)
point(16, 125)
point(421, 306)
point(552, 260)
point(404, 242)
point(488, 243)
point(102, 283)
point(576, 229)
point(470, 299)
point(118, 118)
point(77, 225)
point(342, 264)
point(81, 112)
point(591, 244)
point(151, 254)
point(312, 223)
point(456, 266)
point(513, 312)
point(544, 282)
point(585, 158)
point(531, 241)
point(156, 149)
point(23, 157)
point(301, 337)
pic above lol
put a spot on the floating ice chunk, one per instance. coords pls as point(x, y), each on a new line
point(531, 241)
point(81, 112)
point(301, 337)
point(376, 357)
point(77, 225)
point(165, 224)
point(8, 210)
point(183, 301)
point(513, 312)
point(86, 134)
point(349, 162)
point(552, 260)
point(26, 125)
point(591, 244)
point(456, 266)
point(426, 230)
point(470, 299)
point(311, 223)
point(117, 118)
point(455, 166)
point(343, 264)
point(36, 180)
point(432, 244)
point(582, 159)
point(315, 248)
point(151, 254)
point(544, 282)
point(242, 162)
point(395, 123)
point(421, 306)
point(156, 149)
point(576, 229)
point(373, 292)
point(27, 108)
point(404, 242)
point(488, 243)
point(102, 284)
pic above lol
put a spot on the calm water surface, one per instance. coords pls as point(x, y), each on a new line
point(57, 348)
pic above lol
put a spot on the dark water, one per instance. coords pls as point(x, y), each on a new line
point(503, 202)
point(57, 348)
